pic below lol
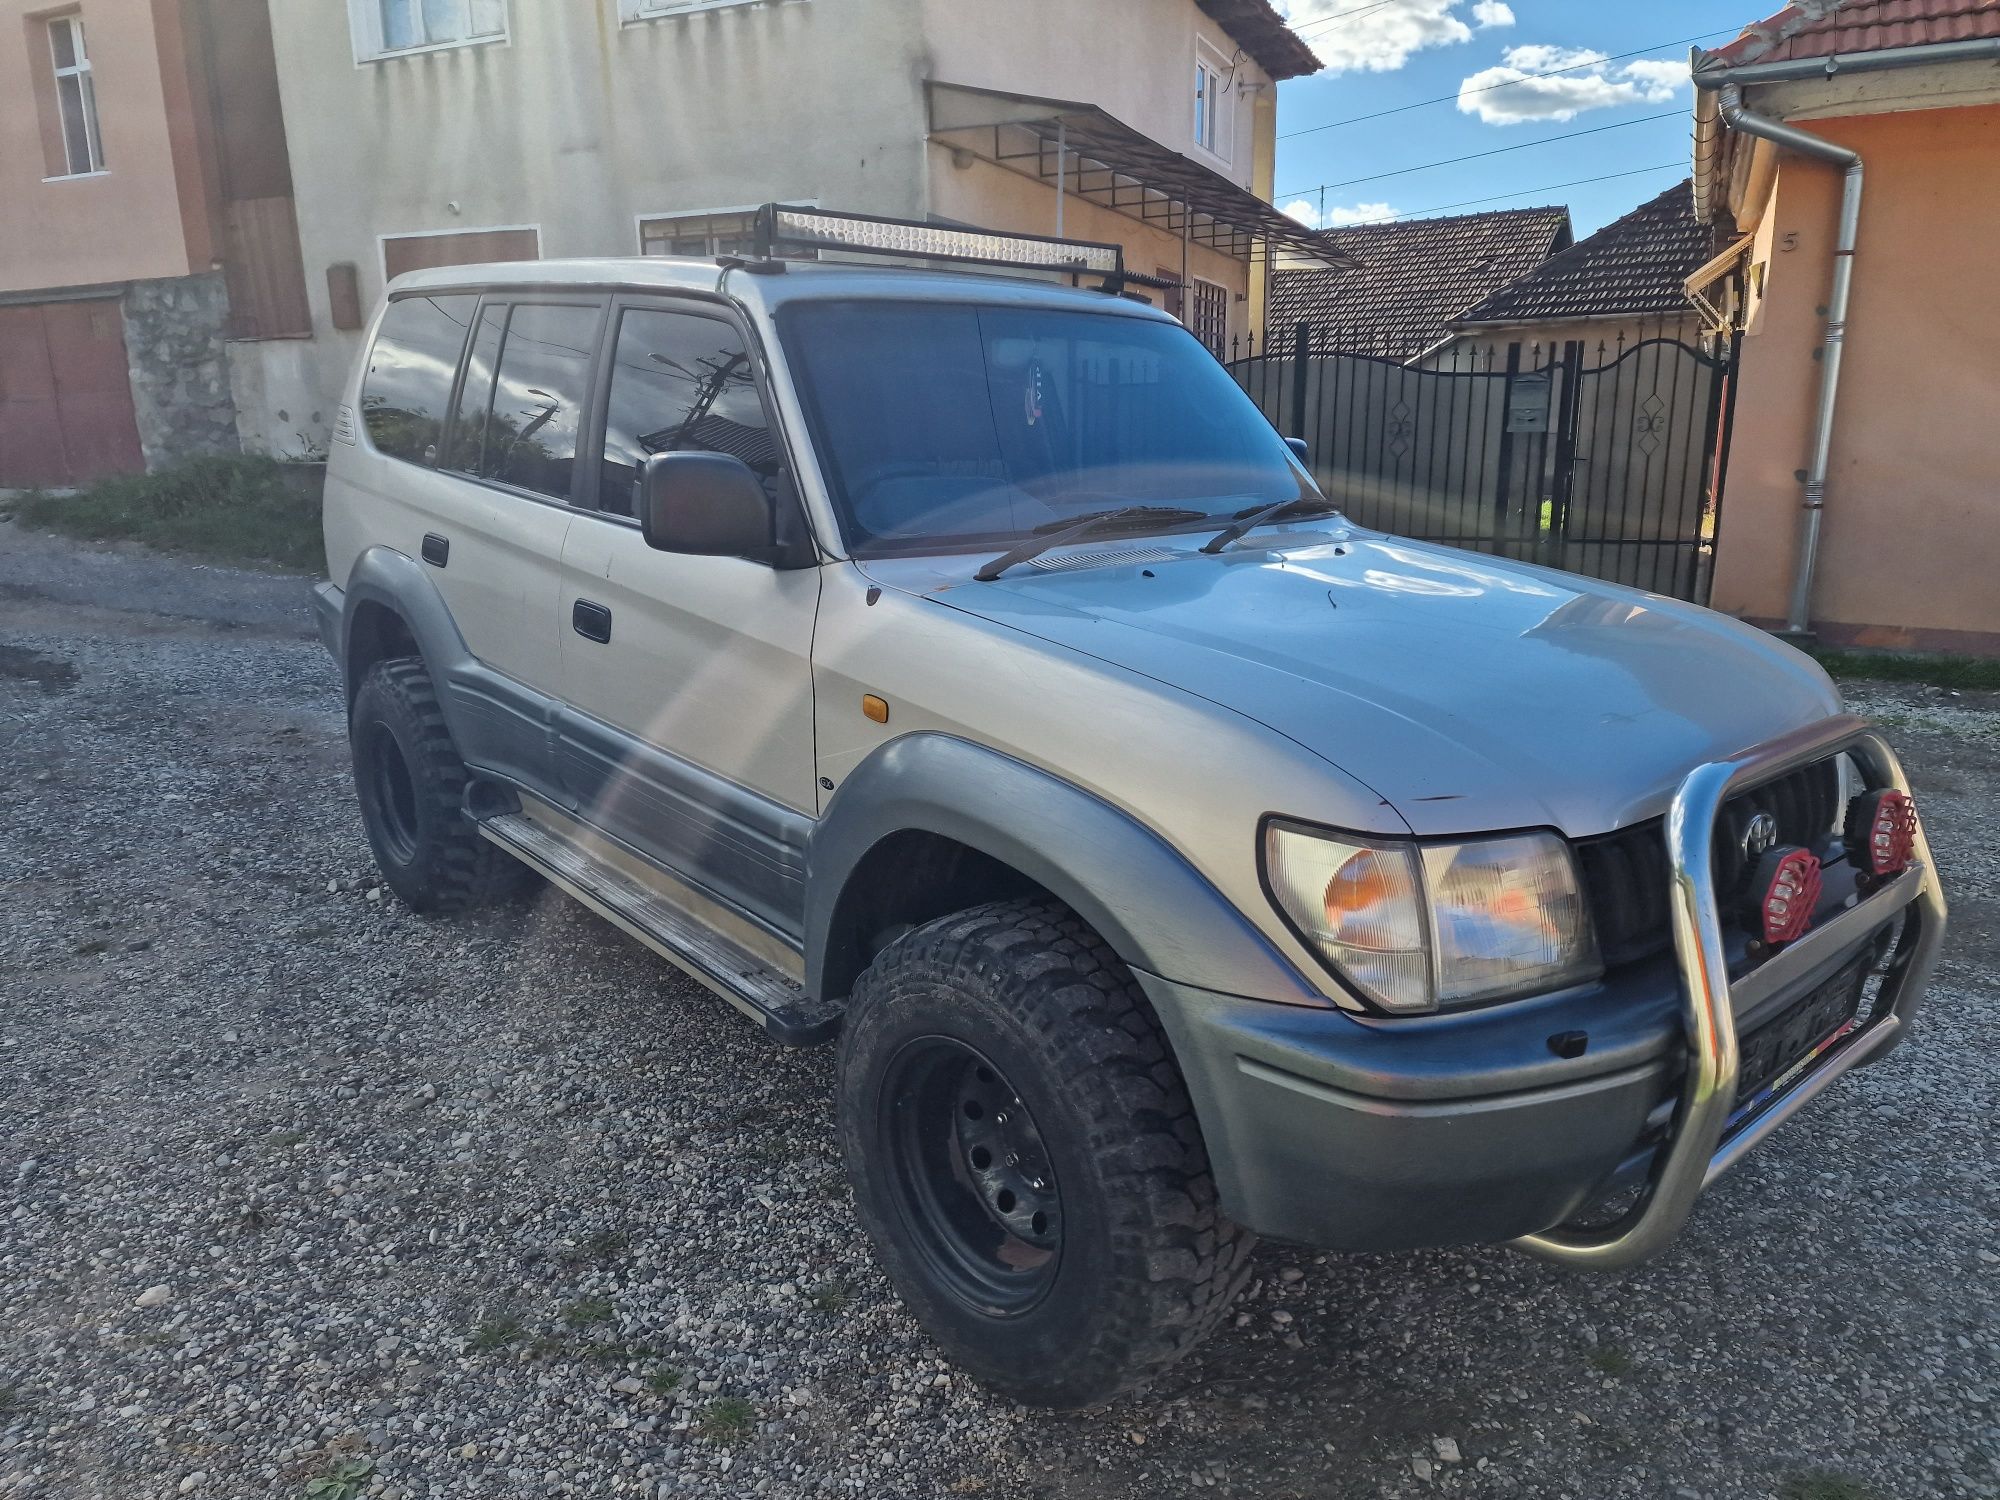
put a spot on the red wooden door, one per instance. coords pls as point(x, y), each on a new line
point(65, 395)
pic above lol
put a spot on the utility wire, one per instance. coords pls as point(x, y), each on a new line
point(1507, 84)
point(1524, 193)
point(1451, 161)
point(1341, 15)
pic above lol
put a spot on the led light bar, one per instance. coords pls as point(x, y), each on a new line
point(779, 227)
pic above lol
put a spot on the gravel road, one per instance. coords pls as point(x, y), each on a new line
point(297, 1186)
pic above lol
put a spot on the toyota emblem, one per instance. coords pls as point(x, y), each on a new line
point(1760, 834)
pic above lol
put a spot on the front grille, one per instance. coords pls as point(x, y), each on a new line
point(1625, 874)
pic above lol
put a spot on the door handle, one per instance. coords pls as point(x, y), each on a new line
point(591, 620)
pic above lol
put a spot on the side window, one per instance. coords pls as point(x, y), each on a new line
point(410, 369)
point(519, 414)
point(680, 383)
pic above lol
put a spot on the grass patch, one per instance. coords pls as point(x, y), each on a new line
point(588, 1312)
point(830, 1296)
point(345, 1481)
point(1979, 673)
point(1609, 1359)
point(598, 1249)
point(1824, 1484)
point(496, 1332)
point(663, 1381)
point(238, 508)
point(727, 1419)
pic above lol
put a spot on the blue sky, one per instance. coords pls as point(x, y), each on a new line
point(1389, 53)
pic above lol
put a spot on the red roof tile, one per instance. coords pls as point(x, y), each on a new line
point(1820, 28)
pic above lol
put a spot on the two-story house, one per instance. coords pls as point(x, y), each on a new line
point(428, 132)
point(145, 224)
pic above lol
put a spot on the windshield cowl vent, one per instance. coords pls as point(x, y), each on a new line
point(1100, 557)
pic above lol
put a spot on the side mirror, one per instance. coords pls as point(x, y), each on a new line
point(707, 504)
point(1301, 450)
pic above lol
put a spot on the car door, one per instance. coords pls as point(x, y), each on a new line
point(689, 679)
point(460, 481)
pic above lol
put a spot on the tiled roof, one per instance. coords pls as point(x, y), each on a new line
point(1820, 28)
point(1262, 32)
point(1633, 267)
point(1412, 277)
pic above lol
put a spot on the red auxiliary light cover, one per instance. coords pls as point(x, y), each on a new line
point(1882, 831)
point(1790, 880)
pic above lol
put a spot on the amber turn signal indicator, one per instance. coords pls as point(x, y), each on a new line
point(876, 708)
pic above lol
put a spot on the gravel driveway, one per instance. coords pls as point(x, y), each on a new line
point(296, 1186)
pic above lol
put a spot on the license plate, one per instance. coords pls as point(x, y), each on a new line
point(1773, 1056)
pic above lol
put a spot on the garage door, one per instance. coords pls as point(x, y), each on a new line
point(65, 395)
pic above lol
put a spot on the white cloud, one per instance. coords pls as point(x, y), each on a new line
point(1589, 83)
point(1339, 215)
point(1378, 40)
point(1492, 13)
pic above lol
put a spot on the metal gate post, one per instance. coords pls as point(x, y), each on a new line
point(1301, 362)
point(1506, 461)
point(1563, 480)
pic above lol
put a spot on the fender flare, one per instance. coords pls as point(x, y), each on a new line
point(398, 583)
point(1138, 892)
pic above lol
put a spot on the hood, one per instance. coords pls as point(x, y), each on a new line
point(1470, 692)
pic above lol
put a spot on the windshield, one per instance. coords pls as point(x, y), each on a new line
point(956, 426)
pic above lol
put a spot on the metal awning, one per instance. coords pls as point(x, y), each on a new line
point(1080, 150)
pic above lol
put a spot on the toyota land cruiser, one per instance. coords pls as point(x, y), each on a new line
point(960, 666)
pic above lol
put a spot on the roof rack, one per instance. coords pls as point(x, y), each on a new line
point(781, 227)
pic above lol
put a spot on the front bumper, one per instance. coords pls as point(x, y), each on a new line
point(1496, 1124)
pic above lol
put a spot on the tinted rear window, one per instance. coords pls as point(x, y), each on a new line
point(410, 370)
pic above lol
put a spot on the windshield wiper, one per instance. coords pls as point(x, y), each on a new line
point(1055, 534)
point(1300, 506)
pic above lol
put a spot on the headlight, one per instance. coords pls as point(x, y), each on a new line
point(1415, 926)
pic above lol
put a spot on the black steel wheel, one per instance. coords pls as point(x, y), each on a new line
point(410, 783)
point(976, 1186)
point(1025, 1157)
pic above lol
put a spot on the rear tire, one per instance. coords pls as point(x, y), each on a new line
point(1026, 1159)
point(411, 785)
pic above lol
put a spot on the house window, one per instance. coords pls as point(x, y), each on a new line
point(75, 98)
point(1210, 322)
point(1212, 77)
point(702, 236)
point(383, 28)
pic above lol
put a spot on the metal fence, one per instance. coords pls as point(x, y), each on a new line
point(1604, 459)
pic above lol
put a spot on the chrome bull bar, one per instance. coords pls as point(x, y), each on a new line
point(1690, 1157)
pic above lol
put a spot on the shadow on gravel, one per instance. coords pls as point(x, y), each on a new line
point(50, 674)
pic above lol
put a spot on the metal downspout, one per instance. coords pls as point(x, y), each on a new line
point(1738, 117)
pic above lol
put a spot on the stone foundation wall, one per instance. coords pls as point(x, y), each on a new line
point(180, 367)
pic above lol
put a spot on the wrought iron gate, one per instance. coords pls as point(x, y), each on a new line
point(1605, 460)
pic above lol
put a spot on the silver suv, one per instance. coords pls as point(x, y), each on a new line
point(960, 666)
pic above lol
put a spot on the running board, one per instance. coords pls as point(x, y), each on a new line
point(781, 1007)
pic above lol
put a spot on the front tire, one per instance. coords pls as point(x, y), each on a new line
point(411, 785)
point(1026, 1159)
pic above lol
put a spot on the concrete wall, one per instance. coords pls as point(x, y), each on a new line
point(125, 223)
point(1911, 540)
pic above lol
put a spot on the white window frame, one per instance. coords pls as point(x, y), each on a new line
point(1212, 108)
point(371, 44)
point(633, 12)
point(86, 84)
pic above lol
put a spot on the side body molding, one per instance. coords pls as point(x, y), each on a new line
point(499, 724)
point(1156, 910)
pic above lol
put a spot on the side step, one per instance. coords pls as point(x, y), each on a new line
point(781, 1007)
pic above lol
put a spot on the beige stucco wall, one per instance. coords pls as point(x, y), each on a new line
point(1911, 540)
point(580, 125)
point(123, 225)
